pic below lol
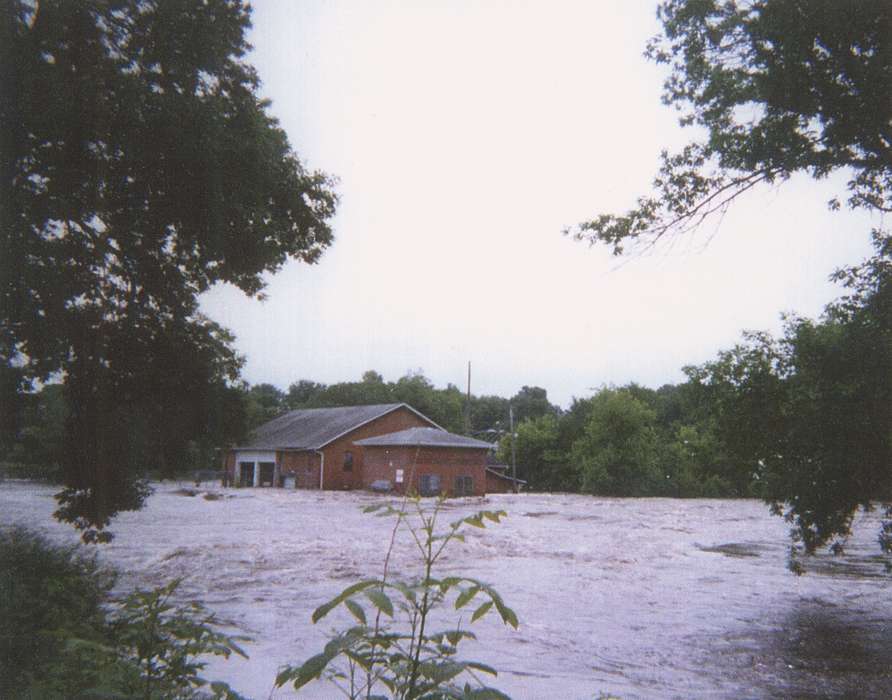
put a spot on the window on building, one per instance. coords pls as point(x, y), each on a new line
point(429, 484)
point(348, 461)
point(464, 486)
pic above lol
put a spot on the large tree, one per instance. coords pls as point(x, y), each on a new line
point(138, 167)
point(776, 87)
point(810, 413)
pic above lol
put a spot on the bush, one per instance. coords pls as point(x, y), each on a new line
point(59, 640)
point(392, 649)
point(48, 595)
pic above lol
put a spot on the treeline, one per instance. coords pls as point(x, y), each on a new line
point(631, 441)
point(803, 420)
point(485, 416)
point(186, 434)
point(804, 416)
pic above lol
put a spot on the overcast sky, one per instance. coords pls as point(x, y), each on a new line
point(466, 136)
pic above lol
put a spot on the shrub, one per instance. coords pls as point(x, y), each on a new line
point(59, 640)
point(399, 653)
point(159, 647)
point(49, 594)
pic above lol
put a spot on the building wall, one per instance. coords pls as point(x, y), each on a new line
point(305, 465)
point(335, 475)
point(496, 484)
point(302, 465)
point(382, 463)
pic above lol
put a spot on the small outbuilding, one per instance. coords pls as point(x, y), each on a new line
point(425, 460)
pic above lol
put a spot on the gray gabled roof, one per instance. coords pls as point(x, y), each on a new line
point(314, 428)
point(423, 437)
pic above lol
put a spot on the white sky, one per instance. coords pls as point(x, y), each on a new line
point(466, 136)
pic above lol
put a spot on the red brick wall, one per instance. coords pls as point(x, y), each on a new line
point(448, 462)
point(496, 485)
point(303, 466)
point(335, 476)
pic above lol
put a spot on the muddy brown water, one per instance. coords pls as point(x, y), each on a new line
point(638, 598)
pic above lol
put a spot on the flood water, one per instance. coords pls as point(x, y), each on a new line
point(637, 598)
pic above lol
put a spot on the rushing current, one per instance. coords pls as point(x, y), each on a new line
point(636, 598)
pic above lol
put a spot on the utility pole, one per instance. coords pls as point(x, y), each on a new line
point(513, 450)
point(468, 403)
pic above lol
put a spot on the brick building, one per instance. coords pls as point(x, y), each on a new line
point(426, 460)
point(329, 448)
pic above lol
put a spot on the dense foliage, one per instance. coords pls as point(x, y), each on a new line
point(47, 595)
point(63, 636)
point(138, 167)
point(813, 408)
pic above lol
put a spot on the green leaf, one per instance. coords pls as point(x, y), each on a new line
point(484, 694)
point(508, 615)
point(381, 601)
point(440, 672)
point(407, 591)
point(356, 609)
point(481, 611)
point(455, 636)
point(465, 596)
point(448, 582)
point(311, 669)
point(364, 661)
point(475, 521)
point(285, 675)
point(477, 666)
point(323, 610)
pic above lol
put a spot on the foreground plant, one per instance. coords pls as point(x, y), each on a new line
point(392, 651)
point(62, 637)
point(162, 647)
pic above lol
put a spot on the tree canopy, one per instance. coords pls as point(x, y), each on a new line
point(776, 87)
point(810, 413)
point(138, 167)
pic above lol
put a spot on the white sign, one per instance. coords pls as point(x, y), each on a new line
point(399, 476)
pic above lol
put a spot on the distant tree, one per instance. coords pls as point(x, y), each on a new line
point(445, 406)
point(619, 453)
point(43, 432)
point(694, 462)
point(138, 167)
point(743, 393)
point(302, 393)
point(775, 87)
point(264, 402)
point(372, 377)
point(489, 413)
point(540, 462)
point(531, 402)
point(353, 394)
point(13, 391)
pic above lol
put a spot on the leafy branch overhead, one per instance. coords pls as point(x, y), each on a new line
point(775, 87)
